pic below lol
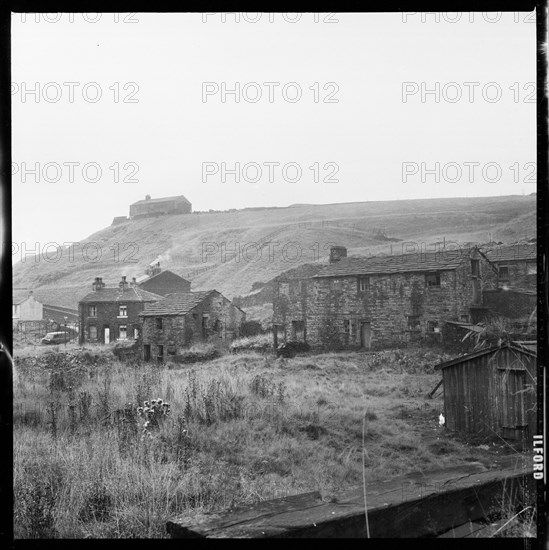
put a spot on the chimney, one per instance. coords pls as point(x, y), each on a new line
point(154, 268)
point(30, 293)
point(123, 284)
point(336, 253)
point(147, 197)
point(98, 283)
point(134, 282)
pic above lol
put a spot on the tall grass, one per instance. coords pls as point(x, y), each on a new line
point(241, 428)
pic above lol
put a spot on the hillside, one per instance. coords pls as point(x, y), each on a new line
point(198, 246)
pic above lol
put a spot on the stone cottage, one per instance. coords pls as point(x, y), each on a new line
point(25, 306)
point(515, 295)
point(183, 319)
point(376, 302)
point(110, 314)
point(516, 266)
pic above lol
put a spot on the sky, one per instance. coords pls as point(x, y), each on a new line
point(357, 107)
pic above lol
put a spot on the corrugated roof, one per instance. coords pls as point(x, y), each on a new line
point(525, 251)
point(513, 345)
point(405, 263)
point(179, 303)
point(162, 199)
point(115, 294)
point(467, 326)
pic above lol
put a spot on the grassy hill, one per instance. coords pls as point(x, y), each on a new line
point(198, 246)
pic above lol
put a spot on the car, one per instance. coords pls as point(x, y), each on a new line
point(56, 338)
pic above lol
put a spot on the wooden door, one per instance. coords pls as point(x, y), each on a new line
point(365, 335)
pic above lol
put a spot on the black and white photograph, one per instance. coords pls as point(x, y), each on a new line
point(277, 274)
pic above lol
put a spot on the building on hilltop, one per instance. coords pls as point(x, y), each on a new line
point(376, 302)
point(183, 319)
point(159, 207)
point(161, 282)
point(110, 314)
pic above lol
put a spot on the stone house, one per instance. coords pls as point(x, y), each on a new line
point(376, 302)
point(183, 319)
point(161, 282)
point(158, 207)
point(111, 314)
point(25, 306)
point(516, 266)
point(515, 295)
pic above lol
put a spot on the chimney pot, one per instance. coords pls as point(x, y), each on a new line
point(147, 197)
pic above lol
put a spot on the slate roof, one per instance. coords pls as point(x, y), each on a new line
point(512, 252)
point(162, 199)
point(179, 303)
point(405, 263)
point(143, 278)
point(115, 294)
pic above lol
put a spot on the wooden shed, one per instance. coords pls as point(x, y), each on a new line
point(493, 392)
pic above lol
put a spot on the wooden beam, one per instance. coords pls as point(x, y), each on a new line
point(417, 505)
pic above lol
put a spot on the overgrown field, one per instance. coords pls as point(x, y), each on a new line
point(237, 429)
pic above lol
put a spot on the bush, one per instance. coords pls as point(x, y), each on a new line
point(290, 349)
point(251, 328)
point(261, 343)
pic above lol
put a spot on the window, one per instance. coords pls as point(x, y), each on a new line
point(432, 326)
point(92, 332)
point(160, 354)
point(475, 268)
point(363, 284)
point(414, 322)
point(348, 326)
point(503, 272)
point(158, 323)
point(92, 311)
point(531, 269)
point(122, 332)
point(464, 318)
point(336, 284)
point(122, 311)
point(432, 279)
point(171, 350)
point(135, 333)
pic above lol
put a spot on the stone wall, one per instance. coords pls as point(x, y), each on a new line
point(521, 275)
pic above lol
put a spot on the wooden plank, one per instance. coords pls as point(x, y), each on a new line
point(416, 505)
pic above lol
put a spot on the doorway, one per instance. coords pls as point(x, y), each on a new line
point(365, 334)
point(146, 352)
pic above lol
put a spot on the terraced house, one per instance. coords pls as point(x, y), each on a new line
point(375, 302)
point(186, 318)
point(111, 314)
